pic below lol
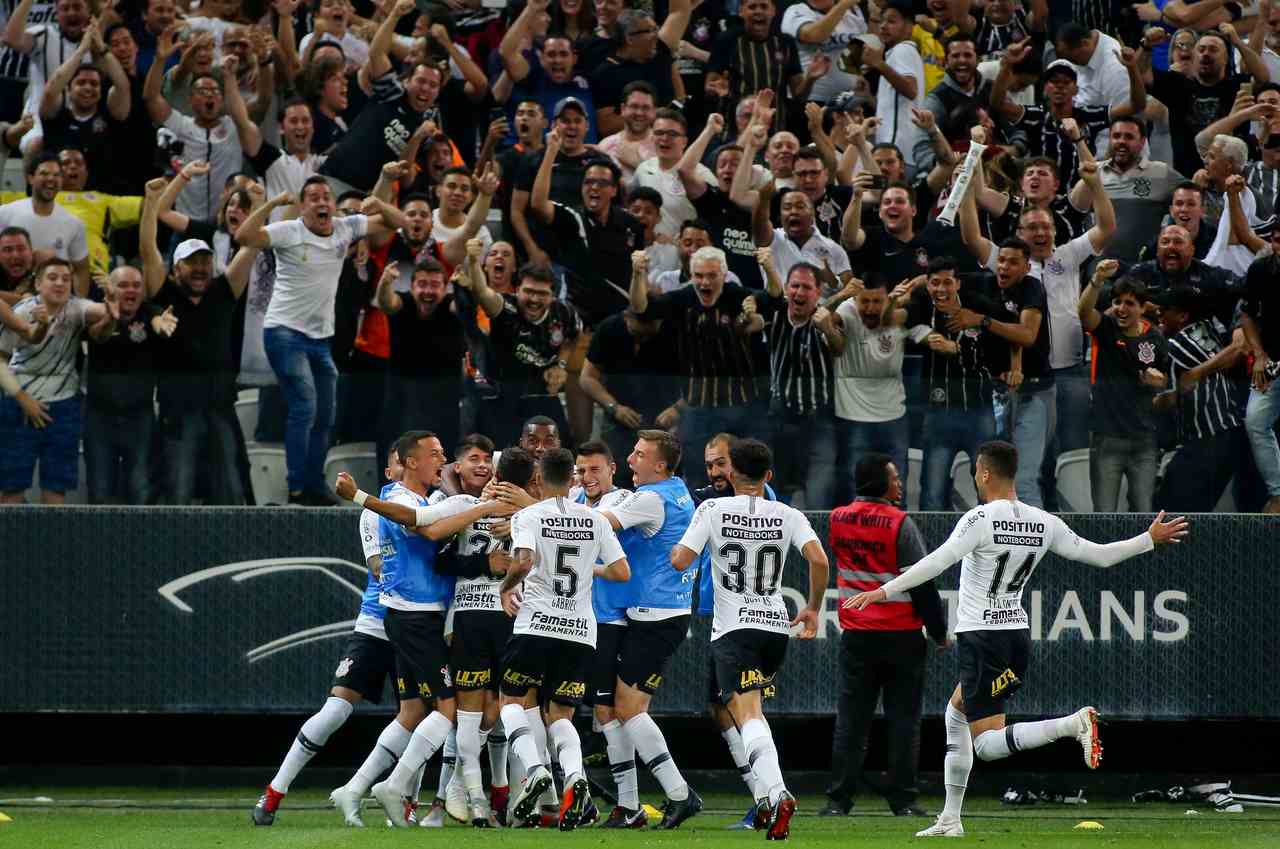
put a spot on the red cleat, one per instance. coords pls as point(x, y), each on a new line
point(780, 829)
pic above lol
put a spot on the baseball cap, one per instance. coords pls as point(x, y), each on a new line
point(570, 102)
point(1059, 66)
point(189, 247)
point(847, 101)
point(1179, 298)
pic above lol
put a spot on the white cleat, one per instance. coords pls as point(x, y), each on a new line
point(943, 828)
point(455, 799)
point(396, 806)
point(1087, 736)
point(349, 804)
point(434, 817)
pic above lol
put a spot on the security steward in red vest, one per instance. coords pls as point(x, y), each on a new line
point(884, 652)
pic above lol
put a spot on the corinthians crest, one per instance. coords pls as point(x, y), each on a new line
point(1146, 353)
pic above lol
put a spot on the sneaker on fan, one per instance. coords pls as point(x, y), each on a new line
point(1087, 736)
point(943, 827)
point(455, 798)
point(348, 803)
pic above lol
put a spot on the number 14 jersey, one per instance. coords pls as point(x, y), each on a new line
point(749, 538)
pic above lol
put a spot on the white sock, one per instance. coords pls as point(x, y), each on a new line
point(622, 763)
point(763, 756)
point(738, 752)
point(428, 738)
point(994, 745)
point(550, 797)
point(652, 748)
point(568, 748)
point(496, 742)
point(386, 752)
point(520, 737)
point(311, 739)
point(957, 763)
point(469, 752)
point(448, 762)
point(416, 783)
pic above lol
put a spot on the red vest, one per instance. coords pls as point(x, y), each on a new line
point(864, 537)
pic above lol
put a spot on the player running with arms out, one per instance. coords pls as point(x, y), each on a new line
point(556, 545)
point(749, 538)
point(999, 544)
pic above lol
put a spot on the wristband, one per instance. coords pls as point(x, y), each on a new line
point(360, 497)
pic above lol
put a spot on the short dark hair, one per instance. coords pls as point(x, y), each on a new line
point(1001, 457)
point(313, 180)
point(539, 421)
point(41, 159)
point(407, 444)
point(648, 193)
point(94, 68)
point(457, 169)
point(723, 436)
point(13, 230)
point(810, 151)
point(111, 30)
point(414, 197)
point(473, 440)
point(695, 224)
point(1189, 186)
point(593, 447)
point(289, 104)
point(945, 262)
point(871, 475)
point(1130, 286)
point(539, 273)
point(349, 194)
point(1071, 34)
point(207, 76)
point(50, 263)
point(889, 146)
point(556, 467)
point(1130, 119)
point(641, 86)
point(668, 446)
point(428, 265)
point(958, 38)
point(595, 161)
point(515, 466)
point(906, 187)
point(805, 266)
point(726, 148)
point(1016, 244)
point(666, 113)
point(751, 458)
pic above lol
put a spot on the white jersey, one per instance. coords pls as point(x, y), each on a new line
point(999, 545)
point(567, 540)
point(371, 545)
point(749, 539)
point(476, 538)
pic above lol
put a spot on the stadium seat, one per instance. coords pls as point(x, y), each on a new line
point(915, 460)
point(267, 473)
point(963, 493)
point(1074, 495)
point(358, 459)
point(247, 412)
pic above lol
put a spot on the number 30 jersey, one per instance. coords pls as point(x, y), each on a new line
point(472, 593)
point(749, 538)
point(566, 540)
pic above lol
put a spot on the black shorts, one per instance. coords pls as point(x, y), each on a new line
point(421, 653)
point(365, 664)
point(747, 659)
point(646, 648)
point(557, 668)
point(716, 697)
point(993, 665)
point(479, 641)
point(603, 676)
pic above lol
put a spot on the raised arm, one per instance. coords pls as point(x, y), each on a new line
point(1104, 211)
point(852, 236)
point(386, 298)
point(740, 191)
point(761, 225)
point(455, 247)
point(1086, 308)
point(813, 114)
point(286, 40)
point(1240, 228)
point(253, 232)
point(908, 87)
point(1013, 54)
point(380, 46)
point(540, 198)
point(154, 271)
point(472, 278)
point(1249, 57)
point(773, 285)
point(157, 107)
point(250, 135)
point(1067, 543)
point(694, 185)
point(510, 49)
point(677, 21)
point(817, 32)
point(1137, 102)
point(120, 98)
point(970, 230)
point(639, 289)
point(55, 88)
point(15, 29)
point(475, 83)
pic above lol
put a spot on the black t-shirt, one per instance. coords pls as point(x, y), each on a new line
point(595, 255)
point(613, 75)
point(731, 232)
point(828, 212)
point(885, 256)
point(93, 136)
point(198, 364)
point(427, 349)
point(524, 350)
point(1122, 405)
point(328, 131)
point(378, 136)
point(1007, 305)
point(1045, 136)
point(1262, 302)
point(639, 374)
point(961, 381)
point(1193, 106)
point(566, 188)
point(754, 65)
point(122, 375)
point(1068, 221)
point(509, 170)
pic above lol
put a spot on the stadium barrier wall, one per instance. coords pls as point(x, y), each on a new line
point(199, 610)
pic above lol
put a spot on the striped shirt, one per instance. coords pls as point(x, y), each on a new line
point(754, 65)
point(15, 65)
point(1211, 407)
point(799, 360)
point(1265, 183)
point(47, 370)
point(1045, 137)
point(959, 381)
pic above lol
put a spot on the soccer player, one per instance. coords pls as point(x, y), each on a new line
point(749, 538)
point(556, 545)
point(999, 544)
point(367, 660)
point(651, 521)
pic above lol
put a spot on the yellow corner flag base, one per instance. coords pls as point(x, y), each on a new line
point(4, 818)
point(651, 813)
point(1089, 825)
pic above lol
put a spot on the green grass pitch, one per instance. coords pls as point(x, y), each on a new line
point(189, 819)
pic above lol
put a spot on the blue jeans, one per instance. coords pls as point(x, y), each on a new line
point(699, 424)
point(203, 444)
point(804, 457)
point(1023, 417)
point(1259, 422)
point(117, 454)
point(947, 433)
point(309, 380)
point(857, 438)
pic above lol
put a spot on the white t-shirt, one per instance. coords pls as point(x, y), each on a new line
point(1223, 254)
point(676, 207)
point(663, 259)
point(442, 234)
point(59, 231)
point(567, 540)
point(49, 50)
point(610, 144)
point(892, 108)
point(846, 32)
point(749, 539)
point(355, 49)
point(869, 372)
point(307, 270)
point(220, 147)
point(817, 248)
point(1060, 274)
point(47, 369)
point(287, 174)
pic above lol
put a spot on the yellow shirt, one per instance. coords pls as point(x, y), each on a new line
point(934, 56)
point(101, 213)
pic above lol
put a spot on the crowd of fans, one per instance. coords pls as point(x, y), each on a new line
point(696, 215)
